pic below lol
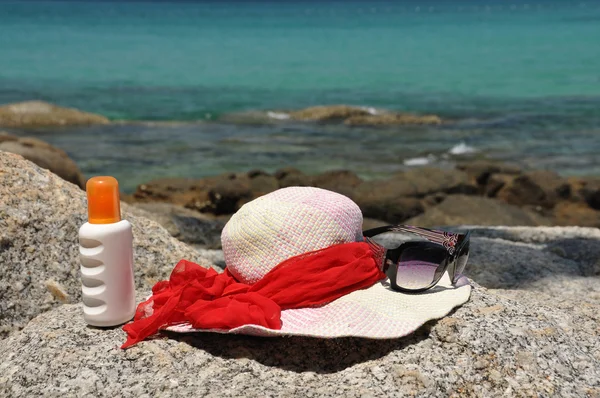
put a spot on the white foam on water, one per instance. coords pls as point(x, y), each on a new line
point(370, 109)
point(461, 149)
point(278, 115)
point(420, 161)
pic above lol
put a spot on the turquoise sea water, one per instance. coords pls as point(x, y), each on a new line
point(522, 80)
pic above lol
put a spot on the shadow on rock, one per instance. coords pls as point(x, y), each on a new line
point(586, 252)
point(301, 354)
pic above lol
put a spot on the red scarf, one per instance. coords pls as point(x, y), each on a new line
point(209, 300)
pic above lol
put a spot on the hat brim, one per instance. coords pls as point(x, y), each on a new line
point(375, 313)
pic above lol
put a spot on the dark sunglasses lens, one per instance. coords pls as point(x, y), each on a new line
point(461, 261)
point(420, 266)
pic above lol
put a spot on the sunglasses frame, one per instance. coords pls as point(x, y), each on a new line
point(454, 243)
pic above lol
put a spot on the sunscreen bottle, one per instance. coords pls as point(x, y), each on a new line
point(106, 255)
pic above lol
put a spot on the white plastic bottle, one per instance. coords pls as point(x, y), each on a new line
point(106, 255)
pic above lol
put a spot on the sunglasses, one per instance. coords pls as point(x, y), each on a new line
point(419, 266)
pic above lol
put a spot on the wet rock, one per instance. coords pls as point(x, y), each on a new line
point(392, 119)
point(362, 116)
point(41, 114)
point(40, 215)
point(329, 113)
point(538, 188)
point(474, 210)
point(44, 155)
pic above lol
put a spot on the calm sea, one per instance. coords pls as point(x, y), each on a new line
point(521, 80)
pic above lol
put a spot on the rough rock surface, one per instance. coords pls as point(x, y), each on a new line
point(539, 197)
point(474, 210)
point(329, 112)
point(40, 215)
point(40, 114)
point(543, 198)
point(361, 116)
point(538, 188)
point(44, 155)
point(540, 340)
point(392, 119)
point(186, 225)
point(491, 346)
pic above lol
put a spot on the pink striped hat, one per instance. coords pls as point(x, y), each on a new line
point(297, 220)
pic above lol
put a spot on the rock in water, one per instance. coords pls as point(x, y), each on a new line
point(491, 346)
point(44, 155)
point(393, 119)
point(329, 113)
point(40, 215)
point(40, 114)
point(362, 116)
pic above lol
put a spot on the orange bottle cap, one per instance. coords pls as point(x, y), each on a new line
point(104, 206)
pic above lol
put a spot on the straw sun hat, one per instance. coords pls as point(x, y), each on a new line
point(296, 220)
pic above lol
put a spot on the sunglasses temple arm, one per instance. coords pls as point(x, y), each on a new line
point(380, 253)
point(446, 239)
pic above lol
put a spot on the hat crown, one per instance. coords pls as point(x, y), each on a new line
point(284, 224)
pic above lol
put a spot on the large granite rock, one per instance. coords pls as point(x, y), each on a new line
point(540, 340)
point(491, 346)
point(42, 114)
point(40, 215)
point(44, 155)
